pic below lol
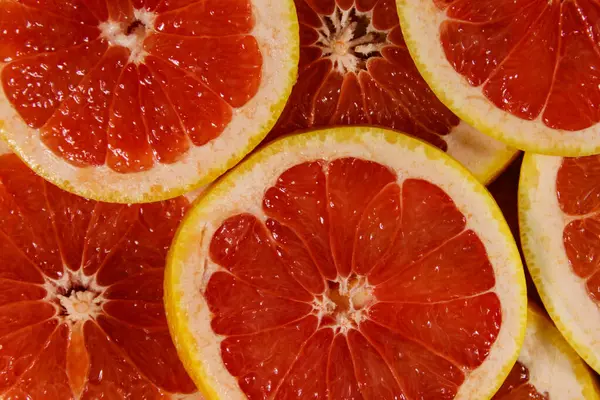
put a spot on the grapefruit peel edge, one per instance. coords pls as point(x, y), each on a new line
point(157, 192)
point(534, 257)
point(187, 239)
point(446, 76)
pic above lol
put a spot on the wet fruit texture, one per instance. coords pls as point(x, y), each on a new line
point(81, 292)
point(517, 386)
point(579, 198)
point(355, 69)
point(356, 285)
point(492, 44)
point(128, 84)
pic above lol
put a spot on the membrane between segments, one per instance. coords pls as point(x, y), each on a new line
point(95, 102)
point(579, 198)
point(492, 42)
point(432, 316)
point(53, 244)
point(384, 89)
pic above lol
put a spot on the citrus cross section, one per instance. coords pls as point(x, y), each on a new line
point(558, 212)
point(134, 100)
point(338, 268)
point(355, 69)
point(81, 298)
point(524, 72)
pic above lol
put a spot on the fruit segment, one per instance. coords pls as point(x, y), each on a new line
point(579, 198)
point(491, 43)
point(406, 310)
point(81, 309)
point(105, 82)
point(355, 69)
point(517, 386)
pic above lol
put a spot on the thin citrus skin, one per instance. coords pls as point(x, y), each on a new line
point(536, 317)
point(104, 192)
point(529, 178)
point(545, 143)
point(187, 238)
point(501, 163)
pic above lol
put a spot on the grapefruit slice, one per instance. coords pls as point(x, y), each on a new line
point(559, 203)
point(547, 368)
point(350, 263)
point(355, 69)
point(524, 72)
point(142, 100)
point(81, 307)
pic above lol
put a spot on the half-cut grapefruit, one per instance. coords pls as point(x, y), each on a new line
point(346, 263)
point(547, 368)
point(559, 205)
point(142, 100)
point(355, 69)
point(524, 72)
point(81, 298)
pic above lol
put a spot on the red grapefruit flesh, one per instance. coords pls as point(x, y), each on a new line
point(81, 311)
point(524, 71)
point(306, 305)
point(517, 386)
point(89, 90)
point(152, 97)
point(492, 44)
point(356, 69)
point(579, 198)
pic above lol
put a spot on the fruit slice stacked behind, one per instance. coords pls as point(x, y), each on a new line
point(349, 263)
point(355, 69)
point(505, 191)
point(524, 72)
point(547, 368)
point(142, 100)
point(81, 288)
point(559, 201)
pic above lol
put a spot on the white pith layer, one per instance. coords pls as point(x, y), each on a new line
point(542, 226)
point(421, 21)
point(276, 33)
point(483, 155)
point(190, 267)
point(550, 361)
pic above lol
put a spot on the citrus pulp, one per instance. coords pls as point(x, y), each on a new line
point(559, 201)
point(524, 72)
point(142, 100)
point(81, 310)
point(547, 368)
point(352, 262)
point(355, 69)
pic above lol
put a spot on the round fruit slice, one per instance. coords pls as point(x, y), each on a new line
point(355, 69)
point(349, 263)
point(547, 367)
point(524, 71)
point(559, 215)
point(142, 100)
point(81, 298)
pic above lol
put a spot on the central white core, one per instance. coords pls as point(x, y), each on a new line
point(130, 35)
point(346, 302)
point(80, 306)
point(342, 46)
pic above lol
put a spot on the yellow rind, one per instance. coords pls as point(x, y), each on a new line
point(528, 180)
point(564, 150)
point(583, 374)
point(185, 239)
point(159, 194)
point(501, 163)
